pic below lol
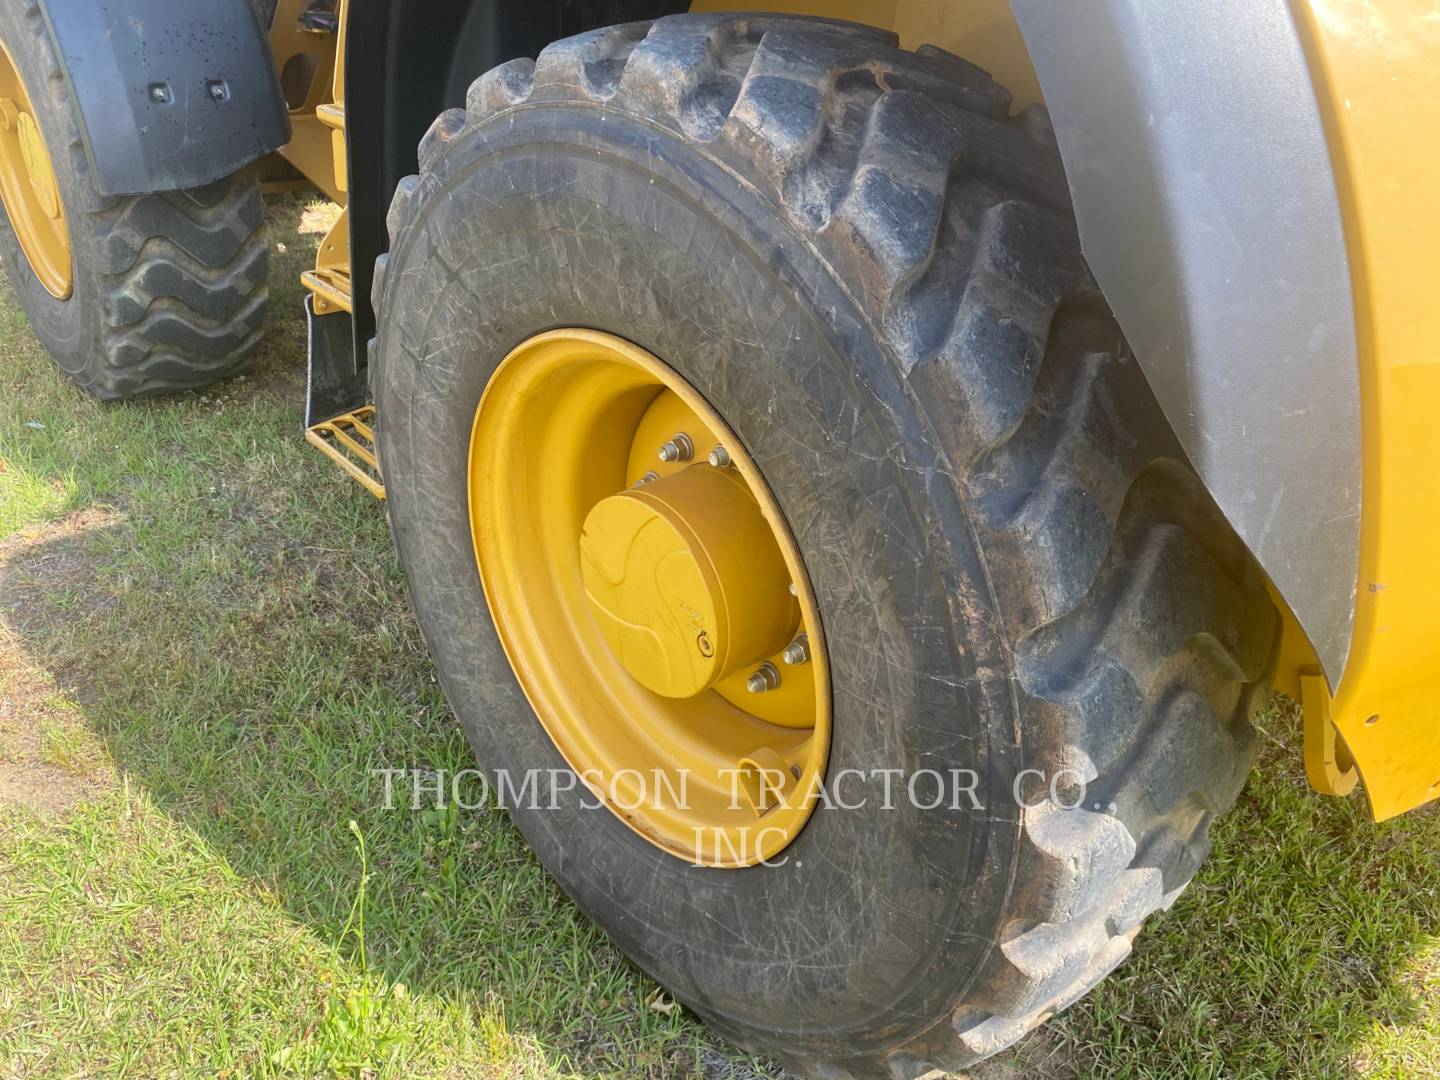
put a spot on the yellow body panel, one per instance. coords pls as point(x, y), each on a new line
point(314, 85)
point(1377, 71)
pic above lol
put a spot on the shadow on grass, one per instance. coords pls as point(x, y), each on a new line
point(234, 625)
point(227, 611)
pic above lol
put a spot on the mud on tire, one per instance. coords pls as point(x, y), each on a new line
point(872, 272)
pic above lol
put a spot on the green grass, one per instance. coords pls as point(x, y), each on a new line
point(205, 652)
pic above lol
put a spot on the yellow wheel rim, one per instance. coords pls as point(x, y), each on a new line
point(28, 187)
point(653, 610)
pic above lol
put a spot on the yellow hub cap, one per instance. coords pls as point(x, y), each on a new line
point(650, 597)
point(28, 187)
point(657, 562)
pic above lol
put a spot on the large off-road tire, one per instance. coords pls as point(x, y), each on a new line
point(871, 272)
point(168, 290)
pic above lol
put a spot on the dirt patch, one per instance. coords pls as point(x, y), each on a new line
point(1042, 1053)
point(318, 217)
point(50, 759)
point(41, 788)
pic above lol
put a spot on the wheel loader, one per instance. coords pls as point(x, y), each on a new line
point(922, 434)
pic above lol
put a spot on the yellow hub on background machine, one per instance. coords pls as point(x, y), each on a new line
point(28, 186)
point(650, 597)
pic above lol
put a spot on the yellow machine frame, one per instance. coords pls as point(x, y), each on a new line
point(1379, 91)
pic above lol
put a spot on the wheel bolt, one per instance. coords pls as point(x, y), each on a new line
point(720, 458)
point(679, 448)
point(765, 677)
point(649, 478)
point(798, 651)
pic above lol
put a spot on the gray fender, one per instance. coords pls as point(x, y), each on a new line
point(1208, 211)
point(169, 93)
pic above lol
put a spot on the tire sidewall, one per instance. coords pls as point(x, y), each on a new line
point(69, 328)
point(549, 217)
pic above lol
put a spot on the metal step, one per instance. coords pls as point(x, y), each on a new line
point(349, 441)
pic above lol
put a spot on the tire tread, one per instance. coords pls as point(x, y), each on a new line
point(181, 275)
point(906, 172)
point(185, 290)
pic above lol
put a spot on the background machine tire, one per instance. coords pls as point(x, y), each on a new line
point(870, 271)
point(168, 291)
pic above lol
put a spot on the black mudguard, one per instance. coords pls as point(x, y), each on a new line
point(170, 94)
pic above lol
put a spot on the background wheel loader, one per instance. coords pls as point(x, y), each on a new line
point(779, 403)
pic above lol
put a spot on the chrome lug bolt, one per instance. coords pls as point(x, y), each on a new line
point(649, 478)
point(798, 651)
point(720, 458)
point(765, 677)
point(679, 448)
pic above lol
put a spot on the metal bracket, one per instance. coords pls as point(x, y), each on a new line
point(329, 282)
point(1328, 765)
point(349, 441)
point(338, 417)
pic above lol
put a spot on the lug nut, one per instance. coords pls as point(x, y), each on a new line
point(720, 458)
point(649, 478)
point(798, 651)
point(679, 448)
point(765, 677)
